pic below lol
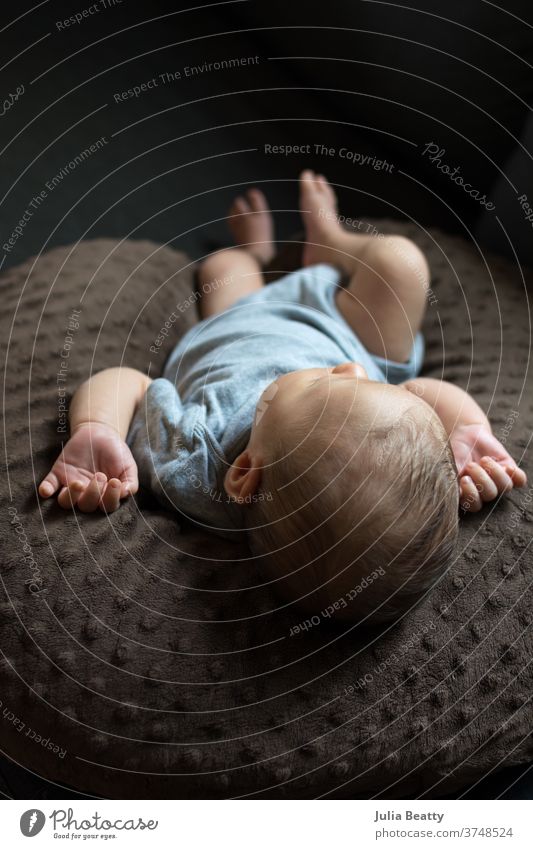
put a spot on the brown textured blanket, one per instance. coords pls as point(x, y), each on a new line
point(141, 658)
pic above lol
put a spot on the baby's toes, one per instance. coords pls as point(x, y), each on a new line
point(257, 200)
point(240, 206)
point(327, 189)
point(308, 182)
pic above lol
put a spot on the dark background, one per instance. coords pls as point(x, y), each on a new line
point(369, 76)
point(374, 77)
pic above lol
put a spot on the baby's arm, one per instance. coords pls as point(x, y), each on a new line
point(484, 467)
point(96, 467)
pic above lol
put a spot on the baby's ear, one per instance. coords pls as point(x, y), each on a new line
point(243, 478)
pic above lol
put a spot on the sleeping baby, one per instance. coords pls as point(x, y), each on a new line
point(293, 413)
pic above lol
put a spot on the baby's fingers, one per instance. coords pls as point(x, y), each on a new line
point(90, 498)
point(130, 484)
point(486, 487)
point(111, 497)
point(501, 478)
point(470, 498)
point(69, 495)
point(49, 485)
point(518, 477)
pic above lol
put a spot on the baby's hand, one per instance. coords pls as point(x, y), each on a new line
point(484, 467)
point(95, 470)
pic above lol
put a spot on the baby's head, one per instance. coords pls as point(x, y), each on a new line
point(350, 491)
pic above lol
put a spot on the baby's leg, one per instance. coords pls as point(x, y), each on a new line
point(228, 275)
point(385, 299)
point(225, 277)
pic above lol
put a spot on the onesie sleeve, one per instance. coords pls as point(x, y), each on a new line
point(178, 460)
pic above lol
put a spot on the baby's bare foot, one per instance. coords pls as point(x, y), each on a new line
point(318, 206)
point(251, 224)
